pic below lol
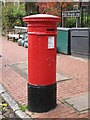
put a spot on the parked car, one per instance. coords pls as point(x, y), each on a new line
point(22, 40)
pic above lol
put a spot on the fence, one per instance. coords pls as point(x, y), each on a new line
point(75, 18)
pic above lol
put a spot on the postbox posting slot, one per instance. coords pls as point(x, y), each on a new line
point(50, 29)
point(80, 36)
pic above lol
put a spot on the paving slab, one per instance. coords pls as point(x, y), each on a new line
point(21, 66)
point(60, 77)
point(80, 103)
point(22, 69)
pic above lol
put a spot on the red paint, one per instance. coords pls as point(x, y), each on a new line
point(41, 60)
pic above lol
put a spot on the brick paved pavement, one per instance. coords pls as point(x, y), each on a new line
point(17, 85)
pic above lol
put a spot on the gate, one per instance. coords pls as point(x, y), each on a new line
point(76, 18)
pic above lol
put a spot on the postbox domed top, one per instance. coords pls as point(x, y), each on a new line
point(41, 17)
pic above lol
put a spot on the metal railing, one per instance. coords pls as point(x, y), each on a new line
point(76, 18)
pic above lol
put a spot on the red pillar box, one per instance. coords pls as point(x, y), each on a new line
point(42, 31)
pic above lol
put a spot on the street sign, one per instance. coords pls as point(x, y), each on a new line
point(75, 13)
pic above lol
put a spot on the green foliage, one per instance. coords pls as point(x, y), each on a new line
point(88, 21)
point(8, 19)
point(3, 106)
point(19, 11)
point(23, 108)
point(71, 22)
point(12, 15)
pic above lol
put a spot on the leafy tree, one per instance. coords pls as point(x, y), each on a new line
point(8, 19)
point(12, 15)
point(51, 7)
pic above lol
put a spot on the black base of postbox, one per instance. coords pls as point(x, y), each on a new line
point(41, 98)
